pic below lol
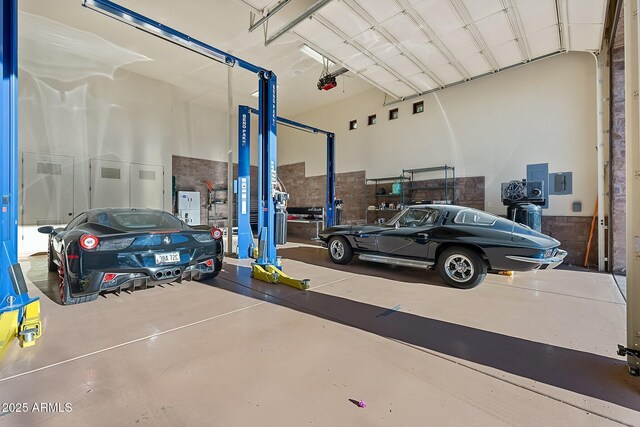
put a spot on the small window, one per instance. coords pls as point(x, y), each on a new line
point(413, 217)
point(353, 124)
point(372, 120)
point(418, 107)
point(475, 217)
point(393, 114)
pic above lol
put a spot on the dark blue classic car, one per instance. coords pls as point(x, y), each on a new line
point(112, 249)
point(463, 244)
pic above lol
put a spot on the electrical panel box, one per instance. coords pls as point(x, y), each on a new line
point(561, 183)
point(189, 207)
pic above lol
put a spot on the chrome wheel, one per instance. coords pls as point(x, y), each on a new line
point(337, 249)
point(459, 268)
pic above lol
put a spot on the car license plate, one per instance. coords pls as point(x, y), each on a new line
point(167, 257)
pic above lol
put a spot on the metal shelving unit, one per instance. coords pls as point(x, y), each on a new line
point(449, 187)
point(386, 198)
point(213, 215)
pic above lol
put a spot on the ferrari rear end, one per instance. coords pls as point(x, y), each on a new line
point(138, 260)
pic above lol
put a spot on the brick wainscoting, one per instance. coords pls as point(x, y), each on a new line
point(311, 191)
point(573, 233)
point(191, 175)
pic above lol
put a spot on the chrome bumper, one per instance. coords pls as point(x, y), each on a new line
point(543, 263)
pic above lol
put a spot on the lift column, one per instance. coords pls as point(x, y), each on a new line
point(19, 314)
point(267, 169)
point(245, 236)
point(331, 180)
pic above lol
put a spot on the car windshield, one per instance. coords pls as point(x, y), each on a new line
point(144, 220)
point(474, 217)
point(414, 217)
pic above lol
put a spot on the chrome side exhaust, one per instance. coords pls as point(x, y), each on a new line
point(381, 259)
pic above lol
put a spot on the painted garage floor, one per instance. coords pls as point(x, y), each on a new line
point(536, 349)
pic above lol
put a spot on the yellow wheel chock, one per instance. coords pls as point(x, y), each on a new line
point(31, 327)
point(272, 274)
point(28, 331)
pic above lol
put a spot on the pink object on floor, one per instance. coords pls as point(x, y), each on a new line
point(362, 404)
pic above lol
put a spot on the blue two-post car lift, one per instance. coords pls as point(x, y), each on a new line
point(271, 198)
point(19, 313)
point(264, 268)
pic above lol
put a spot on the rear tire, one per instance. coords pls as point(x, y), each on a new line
point(340, 250)
point(63, 288)
point(461, 267)
point(50, 260)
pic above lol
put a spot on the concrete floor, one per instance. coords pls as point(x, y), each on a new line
point(535, 349)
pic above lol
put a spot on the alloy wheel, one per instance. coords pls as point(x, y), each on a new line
point(337, 249)
point(459, 268)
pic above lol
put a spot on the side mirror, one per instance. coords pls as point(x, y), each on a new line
point(46, 230)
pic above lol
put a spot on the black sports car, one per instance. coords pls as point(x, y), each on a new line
point(463, 244)
point(113, 249)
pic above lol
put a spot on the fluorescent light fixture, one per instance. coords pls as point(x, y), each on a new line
point(315, 55)
point(129, 17)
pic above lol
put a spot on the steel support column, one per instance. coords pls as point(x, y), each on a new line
point(330, 209)
point(19, 314)
point(632, 118)
point(267, 168)
point(245, 236)
point(602, 197)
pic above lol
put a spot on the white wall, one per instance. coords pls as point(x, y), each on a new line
point(129, 118)
point(543, 112)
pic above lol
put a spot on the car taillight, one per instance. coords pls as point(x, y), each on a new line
point(209, 262)
point(216, 233)
point(89, 241)
point(109, 277)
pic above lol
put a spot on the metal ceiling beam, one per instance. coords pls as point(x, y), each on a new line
point(268, 15)
point(329, 25)
point(463, 14)
point(298, 19)
point(562, 11)
point(335, 60)
point(434, 39)
point(249, 7)
point(517, 28)
point(357, 9)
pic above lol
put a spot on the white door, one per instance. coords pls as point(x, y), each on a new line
point(109, 184)
point(47, 189)
point(146, 186)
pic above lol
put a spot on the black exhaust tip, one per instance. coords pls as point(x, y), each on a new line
point(176, 272)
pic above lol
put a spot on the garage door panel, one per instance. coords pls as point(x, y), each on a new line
point(109, 184)
point(47, 189)
point(146, 186)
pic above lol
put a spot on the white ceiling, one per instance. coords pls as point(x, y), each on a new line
point(403, 47)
